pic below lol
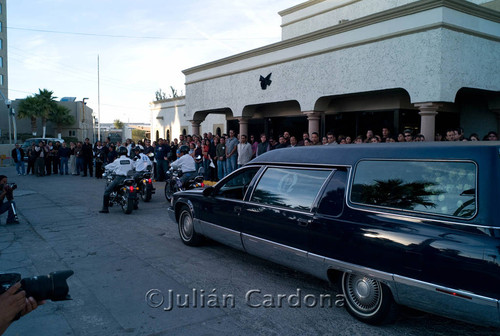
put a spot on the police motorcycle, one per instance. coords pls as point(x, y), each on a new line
point(125, 193)
point(144, 183)
point(144, 180)
point(174, 184)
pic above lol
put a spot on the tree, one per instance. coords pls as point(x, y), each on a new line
point(174, 92)
point(47, 105)
point(118, 124)
point(29, 108)
point(61, 117)
point(160, 95)
point(138, 134)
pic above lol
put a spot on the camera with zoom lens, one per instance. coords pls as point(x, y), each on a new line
point(43, 287)
point(9, 190)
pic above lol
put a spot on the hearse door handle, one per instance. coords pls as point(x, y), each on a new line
point(237, 209)
point(255, 210)
point(304, 222)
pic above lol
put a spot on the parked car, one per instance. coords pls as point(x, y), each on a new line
point(28, 142)
point(414, 224)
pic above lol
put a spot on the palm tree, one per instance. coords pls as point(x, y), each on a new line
point(61, 117)
point(29, 108)
point(118, 124)
point(47, 106)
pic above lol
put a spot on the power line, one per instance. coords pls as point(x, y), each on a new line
point(76, 73)
point(142, 37)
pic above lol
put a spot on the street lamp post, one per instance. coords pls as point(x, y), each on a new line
point(7, 103)
point(84, 128)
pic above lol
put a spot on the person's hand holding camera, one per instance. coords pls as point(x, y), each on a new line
point(13, 303)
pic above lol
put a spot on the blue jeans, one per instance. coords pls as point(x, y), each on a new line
point(221, 169)
point(231, 164)
point(198, 165)
point(63, 165)
point(206, 166)
point(79, 165)
point(162, 166)
point(20, 167)
point(6, 206)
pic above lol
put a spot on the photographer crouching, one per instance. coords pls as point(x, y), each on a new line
point(7, 193)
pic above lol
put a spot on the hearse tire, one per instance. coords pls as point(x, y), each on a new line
point(368, 300)
point(186, 228)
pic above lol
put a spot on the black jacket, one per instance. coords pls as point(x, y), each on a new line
point(14, 154)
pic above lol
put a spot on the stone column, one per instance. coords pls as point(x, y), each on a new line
point(428, 112)
point(195, 125)
point(244, 126)
point(313, 118)
point(497, 113)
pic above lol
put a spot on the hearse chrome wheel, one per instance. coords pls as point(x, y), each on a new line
point(367, 299)
point(186, 228)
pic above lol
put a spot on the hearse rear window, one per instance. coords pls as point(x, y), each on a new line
point(291, 188)
point(443, 188)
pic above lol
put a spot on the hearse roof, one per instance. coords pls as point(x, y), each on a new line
point(350, 154)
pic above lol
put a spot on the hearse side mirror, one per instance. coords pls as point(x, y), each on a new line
point(208, 191)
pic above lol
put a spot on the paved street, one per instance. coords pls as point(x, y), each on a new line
point(118, 258)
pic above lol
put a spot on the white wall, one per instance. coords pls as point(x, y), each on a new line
point(431, 54)
point(170, 114)
point(315, 15)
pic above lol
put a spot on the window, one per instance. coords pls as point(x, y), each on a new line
point(237, 185)
point(332, 201)
point(1, 62)
point(443, 188)
point(1, 79)
point(0, 26)
point(292, 188)
point(1, 44)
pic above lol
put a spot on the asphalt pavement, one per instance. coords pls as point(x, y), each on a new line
point(133, 275)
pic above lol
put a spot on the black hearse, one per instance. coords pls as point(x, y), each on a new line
point(414, 224)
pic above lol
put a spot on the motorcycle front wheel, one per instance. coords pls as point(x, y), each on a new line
point(170, 189)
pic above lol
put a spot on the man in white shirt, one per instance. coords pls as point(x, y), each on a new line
point(185, 163)
point(245, 151)
point(121, 166)
point(142, 161)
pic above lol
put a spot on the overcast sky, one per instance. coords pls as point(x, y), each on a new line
point(142, 45)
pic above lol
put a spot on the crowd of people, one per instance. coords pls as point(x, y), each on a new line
point(218, 155)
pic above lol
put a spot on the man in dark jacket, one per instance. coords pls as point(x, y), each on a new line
point(88, 157)
point(63, 152)
point(18, 156)
point(161, 153)
point(263, 146)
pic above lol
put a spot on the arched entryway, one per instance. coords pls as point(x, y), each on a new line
point(355, 114)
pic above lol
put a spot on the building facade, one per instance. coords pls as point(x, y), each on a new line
point(4, 79)
point(351, 65)
point(169, 119)
point(82, 128)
